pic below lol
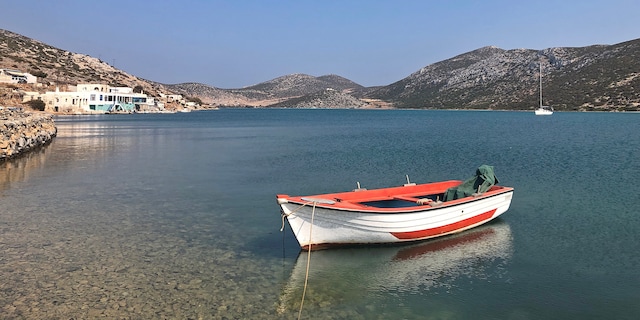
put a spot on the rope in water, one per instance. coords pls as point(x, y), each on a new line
point(306, 276)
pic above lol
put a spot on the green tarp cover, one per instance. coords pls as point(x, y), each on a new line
point(483, 180)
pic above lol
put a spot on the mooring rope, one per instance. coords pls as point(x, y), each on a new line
point(292, 212)
point(306, 276)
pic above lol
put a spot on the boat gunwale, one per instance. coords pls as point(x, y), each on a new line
point(357, 206)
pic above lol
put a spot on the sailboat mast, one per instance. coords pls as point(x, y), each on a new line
point(540, 64)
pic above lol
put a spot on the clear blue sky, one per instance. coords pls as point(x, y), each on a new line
point(236, 43)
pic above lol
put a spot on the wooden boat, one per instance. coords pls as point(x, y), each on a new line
point(397, 214)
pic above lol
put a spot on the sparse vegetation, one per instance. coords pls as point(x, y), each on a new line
point(38, 73)
point(598, 78)
point(36, 104)
point(595, 76)
point(194, 99)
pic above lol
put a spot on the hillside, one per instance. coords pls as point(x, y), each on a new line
point(296, 85)
point(208, 94)
point(324, 99)
point(267, 93)
point(61, 67)
point(599, 77)
point(587, 78)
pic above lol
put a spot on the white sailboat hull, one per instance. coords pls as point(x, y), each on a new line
point(543, 112)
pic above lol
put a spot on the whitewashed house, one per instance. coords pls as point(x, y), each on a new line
point(16, 76)
point(94, 98)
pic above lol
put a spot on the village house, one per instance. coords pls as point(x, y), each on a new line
point(172, 98)
point(16, 76)
point(94, 98)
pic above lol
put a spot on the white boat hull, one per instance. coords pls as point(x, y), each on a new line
point(317, 224)
point(543, 112)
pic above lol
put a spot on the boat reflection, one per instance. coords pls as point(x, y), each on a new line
point(353, 273)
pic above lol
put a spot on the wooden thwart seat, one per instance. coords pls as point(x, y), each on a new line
point(405, 198)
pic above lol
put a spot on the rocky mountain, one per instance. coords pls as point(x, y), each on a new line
point(208, 94)
point(599, 77)
point(268, 93)
point(60, 67)
point(324, 99)
point(296, 85)
point(588, 78)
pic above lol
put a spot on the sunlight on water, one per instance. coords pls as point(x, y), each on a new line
point(174, 216)
point(357, 274)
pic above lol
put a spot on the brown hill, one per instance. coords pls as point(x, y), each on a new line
point(588, 78)
point(59, 67)
point(599, 77)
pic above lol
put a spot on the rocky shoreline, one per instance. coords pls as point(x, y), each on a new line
point(22, 131)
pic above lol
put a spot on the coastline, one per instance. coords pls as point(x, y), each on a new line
point(22, 131)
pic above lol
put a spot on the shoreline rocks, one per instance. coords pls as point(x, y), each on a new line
point(22, 131)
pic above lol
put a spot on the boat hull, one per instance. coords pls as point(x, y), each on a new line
point(319, 223)
point(543, 112)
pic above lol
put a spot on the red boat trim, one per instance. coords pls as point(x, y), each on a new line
point(426, 233)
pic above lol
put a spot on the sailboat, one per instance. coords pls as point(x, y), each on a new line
point(543, 110)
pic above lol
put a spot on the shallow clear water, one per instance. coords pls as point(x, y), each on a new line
point(174, 216)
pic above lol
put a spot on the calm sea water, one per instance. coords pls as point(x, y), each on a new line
point(174, 216)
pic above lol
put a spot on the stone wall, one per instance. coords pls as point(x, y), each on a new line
point(22, 131)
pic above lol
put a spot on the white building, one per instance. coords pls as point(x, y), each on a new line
point(172, 98)
point(94, 98)
point(16, 76)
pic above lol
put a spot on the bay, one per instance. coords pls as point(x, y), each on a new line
point(174, 216)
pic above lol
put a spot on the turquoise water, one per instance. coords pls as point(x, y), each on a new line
point(174, 216)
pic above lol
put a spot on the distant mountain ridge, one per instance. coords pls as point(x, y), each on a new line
point(594, 77)
point(300, 84)
point(599, 77)
point(270, 92)
point(324, 99)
